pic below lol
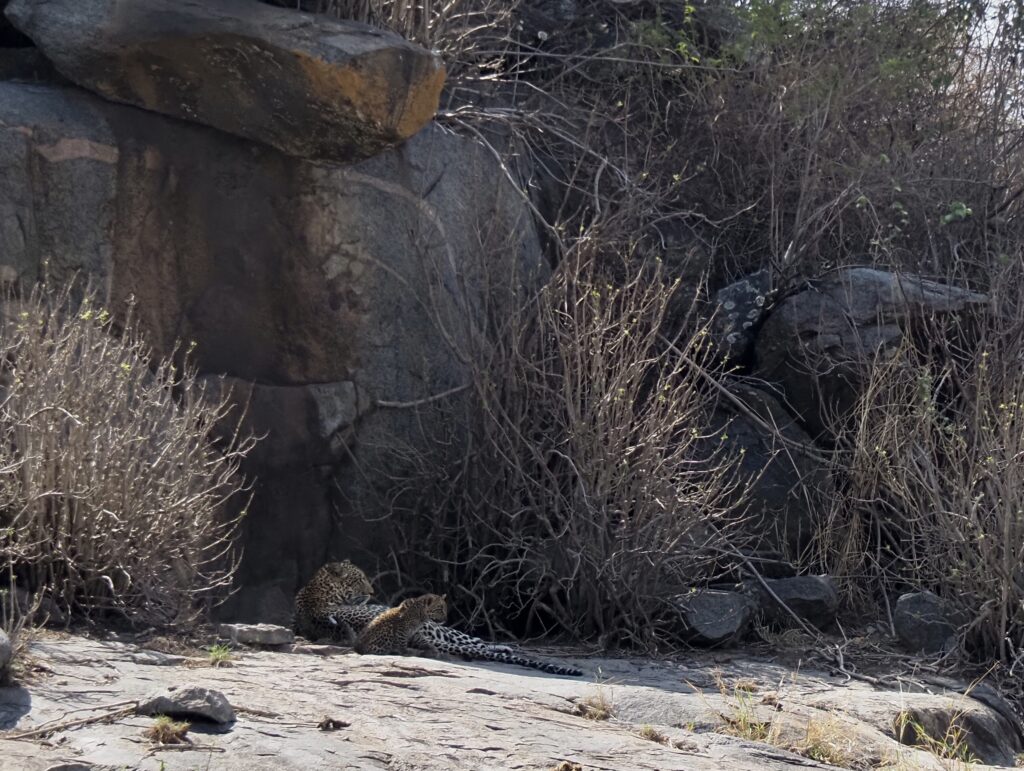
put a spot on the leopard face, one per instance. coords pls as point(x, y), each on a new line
point(427, 607)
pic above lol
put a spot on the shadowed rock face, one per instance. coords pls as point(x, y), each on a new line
point(784, 486)
point(816, 342)
point(309, 86)
point(318, 290)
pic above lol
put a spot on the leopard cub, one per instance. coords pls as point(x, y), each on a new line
point(391, 631)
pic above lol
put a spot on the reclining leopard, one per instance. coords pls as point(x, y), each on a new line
point(392, 630)
point(335, 605)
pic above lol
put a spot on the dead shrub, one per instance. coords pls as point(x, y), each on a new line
point(573, 489)
point(934, 497)
point(112, 478)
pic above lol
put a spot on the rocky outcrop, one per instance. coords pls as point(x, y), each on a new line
point(816, 341)
point(330, 296)
point(308, 85)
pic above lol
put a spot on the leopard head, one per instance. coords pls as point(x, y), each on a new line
point(433, 607)
point(348, 582)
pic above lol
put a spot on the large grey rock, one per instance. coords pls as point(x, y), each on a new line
point(192, 703)
point(714, 616)
point(320, 291)
point(783, 482)
point(924, 622)
point(814, 599)
point(6, 654)
point(817, 342)
point(309, 85)
point(257, 634)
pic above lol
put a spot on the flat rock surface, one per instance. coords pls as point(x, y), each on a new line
point(392, 712)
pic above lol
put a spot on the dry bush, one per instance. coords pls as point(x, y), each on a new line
point(795, 135)
point(111, 486)
point(575, 489)
point(935, 480)
point(809, 135)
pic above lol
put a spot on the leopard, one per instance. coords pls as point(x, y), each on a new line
point(436, 638)
point(336, 605)
point(391, 631)
point(333, 586)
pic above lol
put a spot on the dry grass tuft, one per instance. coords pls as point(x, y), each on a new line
point(652, 734)
point(951, 744)
point(828, 741)
point(597, 706)
point(165, 730)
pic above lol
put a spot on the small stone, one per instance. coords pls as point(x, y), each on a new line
point(156, 659)
point(192, 703)
point(923, 622)
point(714, 616)
point(257, 634)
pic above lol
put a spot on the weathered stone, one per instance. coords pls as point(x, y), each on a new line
point(738, 311)
point(157, 658)
point(783, 482)
point(815, 599)
point(6, 654)
point(257, 634)
point(192, 703)
point(319, 291)
point(714, 617)
point(923, 622)
point(818, 342)
point(308, 85)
